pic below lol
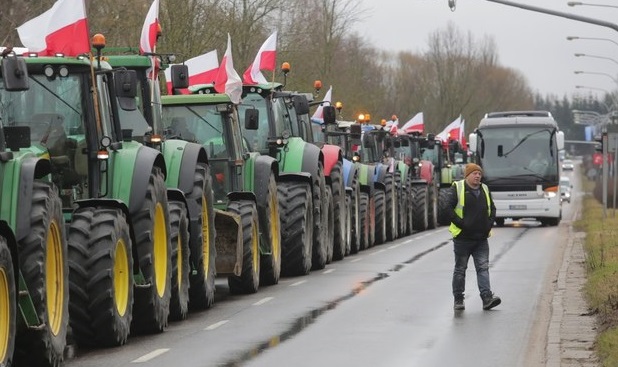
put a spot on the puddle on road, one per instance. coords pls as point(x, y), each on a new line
point(310, 317)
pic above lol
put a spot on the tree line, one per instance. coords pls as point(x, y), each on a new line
point(458, 74)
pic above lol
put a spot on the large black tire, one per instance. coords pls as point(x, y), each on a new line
point(8, 305)
point(179, 234)
point(432, 207)
point(249, 279)
point(372, 221)
point(152, 228)
point(402, 201)
point(296, 228)
point(365, 221)
point(390, 207)
point(356, 232)
point(321, 242)
point(202, 240)
point(101, 275)
point(381, 228)
point(43, 255)
point(407, 208)
point(270, 224)
point(444, 210)
point(330, 220)
point(340, 212)
point(420, 208)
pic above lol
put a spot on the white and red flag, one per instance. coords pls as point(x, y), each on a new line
point(203, 69)
point(61, 29)
point(416, 123)
point(150, 29)
point(264, 60)
point(451, 132)
point(228, 81)
point(318, 115)
point(462, 134)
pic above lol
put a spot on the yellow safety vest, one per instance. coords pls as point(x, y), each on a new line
point(461, 194)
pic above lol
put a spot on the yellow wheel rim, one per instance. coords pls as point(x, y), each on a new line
point(5, 314)
point(255, 245)
point(54, 278)
point(274, 228)
point(121, 277)
point(205, 236)
point(160, 250)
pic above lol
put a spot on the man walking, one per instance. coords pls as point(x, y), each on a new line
point(472, 218)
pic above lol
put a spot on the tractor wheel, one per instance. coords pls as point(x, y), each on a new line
point(348, 225)
point(365, 221)
point(152, 228)
point(340, 214)
point(249, 279)
point(8, 305)
point(179, 234)
point(202, 254)
point(270, 221)
point(296, 227)
point(356, 232)
point(443, 208)
point(381, 228)
point(330, 219)
point(372, 221)
point(407, 208)
point(101, 277)
point(321, 242)
point(44, 265)
point(390, 208)
point(402, 199)
point(432, 206)
point(420, 208)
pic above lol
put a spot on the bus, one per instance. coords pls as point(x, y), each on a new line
point(518, 151)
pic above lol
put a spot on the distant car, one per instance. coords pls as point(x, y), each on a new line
point(565, 189)
point(567, 165)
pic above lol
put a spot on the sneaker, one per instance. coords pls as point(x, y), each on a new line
point(491, 301)
point(459, 305)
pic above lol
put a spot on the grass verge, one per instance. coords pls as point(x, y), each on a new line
point(601, 247)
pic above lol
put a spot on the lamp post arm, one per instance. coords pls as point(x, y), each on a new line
point(578, 18)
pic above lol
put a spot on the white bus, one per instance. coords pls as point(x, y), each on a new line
point(518, 151)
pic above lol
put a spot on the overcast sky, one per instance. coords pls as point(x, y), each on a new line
point(531, 42)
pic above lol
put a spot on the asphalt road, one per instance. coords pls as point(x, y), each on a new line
point(388, 306)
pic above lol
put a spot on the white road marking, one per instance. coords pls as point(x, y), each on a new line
point(397, 245)
point(355, 260)
point(298, 283)
point(147, 357)
point(262, 301)
point(328, 271)
point(216, 325)
point(376, 252)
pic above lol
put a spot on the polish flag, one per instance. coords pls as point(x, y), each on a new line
point(451, 132)
point(265, 60)
point(228, 81)
point(462, 134)
point(416, 123)
point(61, 29)
point(203, 69)
point(318, 115)
point(150, 29)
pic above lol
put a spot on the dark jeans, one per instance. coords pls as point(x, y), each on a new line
point(479, 250)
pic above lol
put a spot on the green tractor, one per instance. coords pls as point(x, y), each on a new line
point(113, 194)
point(189, 189)
point(34, 272)
point(244, 183)
point(304, 201)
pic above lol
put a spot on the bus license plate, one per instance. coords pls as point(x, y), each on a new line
point(517, 207)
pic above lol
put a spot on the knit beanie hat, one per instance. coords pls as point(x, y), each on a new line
point(471, 167)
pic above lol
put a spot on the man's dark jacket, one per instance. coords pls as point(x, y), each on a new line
point(476, 224)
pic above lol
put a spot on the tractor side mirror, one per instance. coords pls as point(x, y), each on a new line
point(15, 74)
point(301, 105)
point(125, 86)
point(252, 118)
point(330, 114)
point(180, 76)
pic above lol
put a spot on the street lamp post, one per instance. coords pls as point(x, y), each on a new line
point(596, 57)
point(575, 3)
point(572, 38)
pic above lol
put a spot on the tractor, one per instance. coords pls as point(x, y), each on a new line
point(34, 271)
point(244, 183)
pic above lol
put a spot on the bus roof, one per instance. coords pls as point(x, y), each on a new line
point(518, 118)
